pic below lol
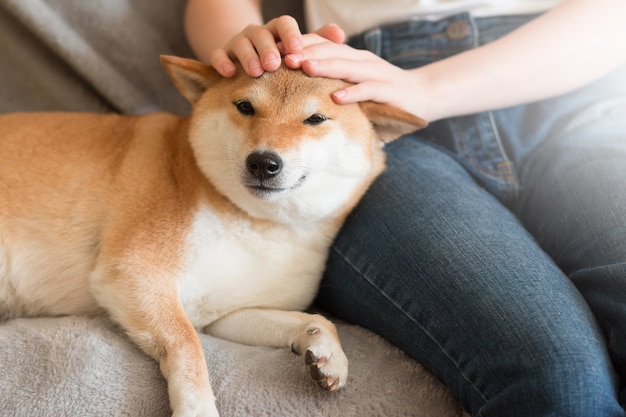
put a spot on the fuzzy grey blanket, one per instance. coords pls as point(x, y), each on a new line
point(103, 55)
point(85, 366)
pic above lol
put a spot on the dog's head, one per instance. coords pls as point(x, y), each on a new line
point(278, 146)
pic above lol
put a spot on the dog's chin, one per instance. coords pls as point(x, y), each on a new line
point(272, 192)
point(266, 193)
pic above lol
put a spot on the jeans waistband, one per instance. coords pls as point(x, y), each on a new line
point(412, 43)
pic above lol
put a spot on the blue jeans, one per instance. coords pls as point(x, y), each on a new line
point(493, 249)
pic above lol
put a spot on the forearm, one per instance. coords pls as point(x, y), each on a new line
point(210, 24)
point(568, 47)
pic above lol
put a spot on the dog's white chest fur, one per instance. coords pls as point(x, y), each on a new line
point(231, 264)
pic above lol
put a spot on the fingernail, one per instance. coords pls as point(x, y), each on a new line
point(294, 58)
point(340, 94)
point(254, 64)
point(254, 68)
point(270, 60)
point(228, 69)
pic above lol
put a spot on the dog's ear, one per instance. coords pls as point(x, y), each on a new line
point(191, 77)
point(391, 122)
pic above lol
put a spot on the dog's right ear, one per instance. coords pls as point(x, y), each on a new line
point(191, 77)
point(391, 122)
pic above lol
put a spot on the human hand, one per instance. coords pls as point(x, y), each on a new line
point(372, 77)
point(260, 48)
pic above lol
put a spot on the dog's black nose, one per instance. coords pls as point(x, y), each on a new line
point(264, 165)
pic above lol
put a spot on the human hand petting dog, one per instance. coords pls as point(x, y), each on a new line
point(372, 78)
point(262, 47)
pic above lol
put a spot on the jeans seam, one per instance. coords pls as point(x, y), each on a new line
point(572, 276)
point(408, 316)
point(475, 162)
point(506, 164)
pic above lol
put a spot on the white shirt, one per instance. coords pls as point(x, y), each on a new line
point(354, 16)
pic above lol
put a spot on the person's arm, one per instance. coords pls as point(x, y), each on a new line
point(210, 24)
point(566, 48)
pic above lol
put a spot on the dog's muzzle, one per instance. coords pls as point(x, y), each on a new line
point(263, 179)
point(264, 165)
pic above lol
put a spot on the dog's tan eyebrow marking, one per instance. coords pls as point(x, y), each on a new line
point(255, 93)
point(311, 107)
point(252, 94)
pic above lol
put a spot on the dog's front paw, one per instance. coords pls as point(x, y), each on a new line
point(324, 356)
point(330, 372)
point(204, 410)
point(188, 402)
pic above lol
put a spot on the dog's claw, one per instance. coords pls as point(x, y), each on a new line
point(309, 358)
point(316, 373)
point(316, 367)
point(333, 383)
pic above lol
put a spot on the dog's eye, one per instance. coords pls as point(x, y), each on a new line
point(244, 107)
point(316, 119)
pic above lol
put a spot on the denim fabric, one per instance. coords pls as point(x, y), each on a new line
point(493, 249)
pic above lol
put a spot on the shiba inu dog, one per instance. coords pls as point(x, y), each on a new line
point(219, 222)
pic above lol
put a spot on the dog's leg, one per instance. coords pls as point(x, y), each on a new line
point(153, 318)
point(310, 335)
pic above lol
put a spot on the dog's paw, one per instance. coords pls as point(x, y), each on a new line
point(207, 410)
point(186, 405)
point(330, 372)
point(324, 356)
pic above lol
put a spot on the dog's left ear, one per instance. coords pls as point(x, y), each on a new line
point(191, 77)
point(391, 122)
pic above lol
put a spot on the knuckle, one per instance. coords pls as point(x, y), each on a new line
point(216, 55)
point(251, 27)
point(253, 32)
point(240, 43)
point(286, 20)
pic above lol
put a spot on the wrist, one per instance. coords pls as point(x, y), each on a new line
point(451, 87)
point(424, 99)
